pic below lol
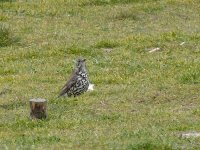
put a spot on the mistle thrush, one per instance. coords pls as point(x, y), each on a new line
point(78, 83)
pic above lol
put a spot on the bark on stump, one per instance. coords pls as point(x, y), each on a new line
point(38, 108)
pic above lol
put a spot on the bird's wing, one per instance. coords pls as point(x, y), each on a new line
point(68, 85)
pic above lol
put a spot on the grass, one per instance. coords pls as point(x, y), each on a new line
point(141, 100)
point(5, 37)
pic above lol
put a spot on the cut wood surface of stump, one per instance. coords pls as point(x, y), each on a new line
point(38, 108)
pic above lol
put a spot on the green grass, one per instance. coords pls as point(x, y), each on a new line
point(141, 100)
point(5, 38)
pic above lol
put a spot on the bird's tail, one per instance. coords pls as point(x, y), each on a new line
point(61, 95)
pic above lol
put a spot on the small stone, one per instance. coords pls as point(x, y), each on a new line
point(182, 43)
point(154, 50)
point(190, 134)
point(108, 49)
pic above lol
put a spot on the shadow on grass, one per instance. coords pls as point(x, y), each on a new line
point(13, 105)
point(124, 14)
point(6, 37)
point(5, 91)
point(190, 77)
point(112, 2)
point(106, 44)
point(6, 1)
point(148, 145)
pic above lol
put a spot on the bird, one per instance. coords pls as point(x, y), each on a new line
point(79, 81)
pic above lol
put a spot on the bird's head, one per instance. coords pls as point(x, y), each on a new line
point(80, 64)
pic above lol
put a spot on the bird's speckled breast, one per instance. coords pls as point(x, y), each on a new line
point(83, 74)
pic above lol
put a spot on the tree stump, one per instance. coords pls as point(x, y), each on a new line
point(38, 108)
